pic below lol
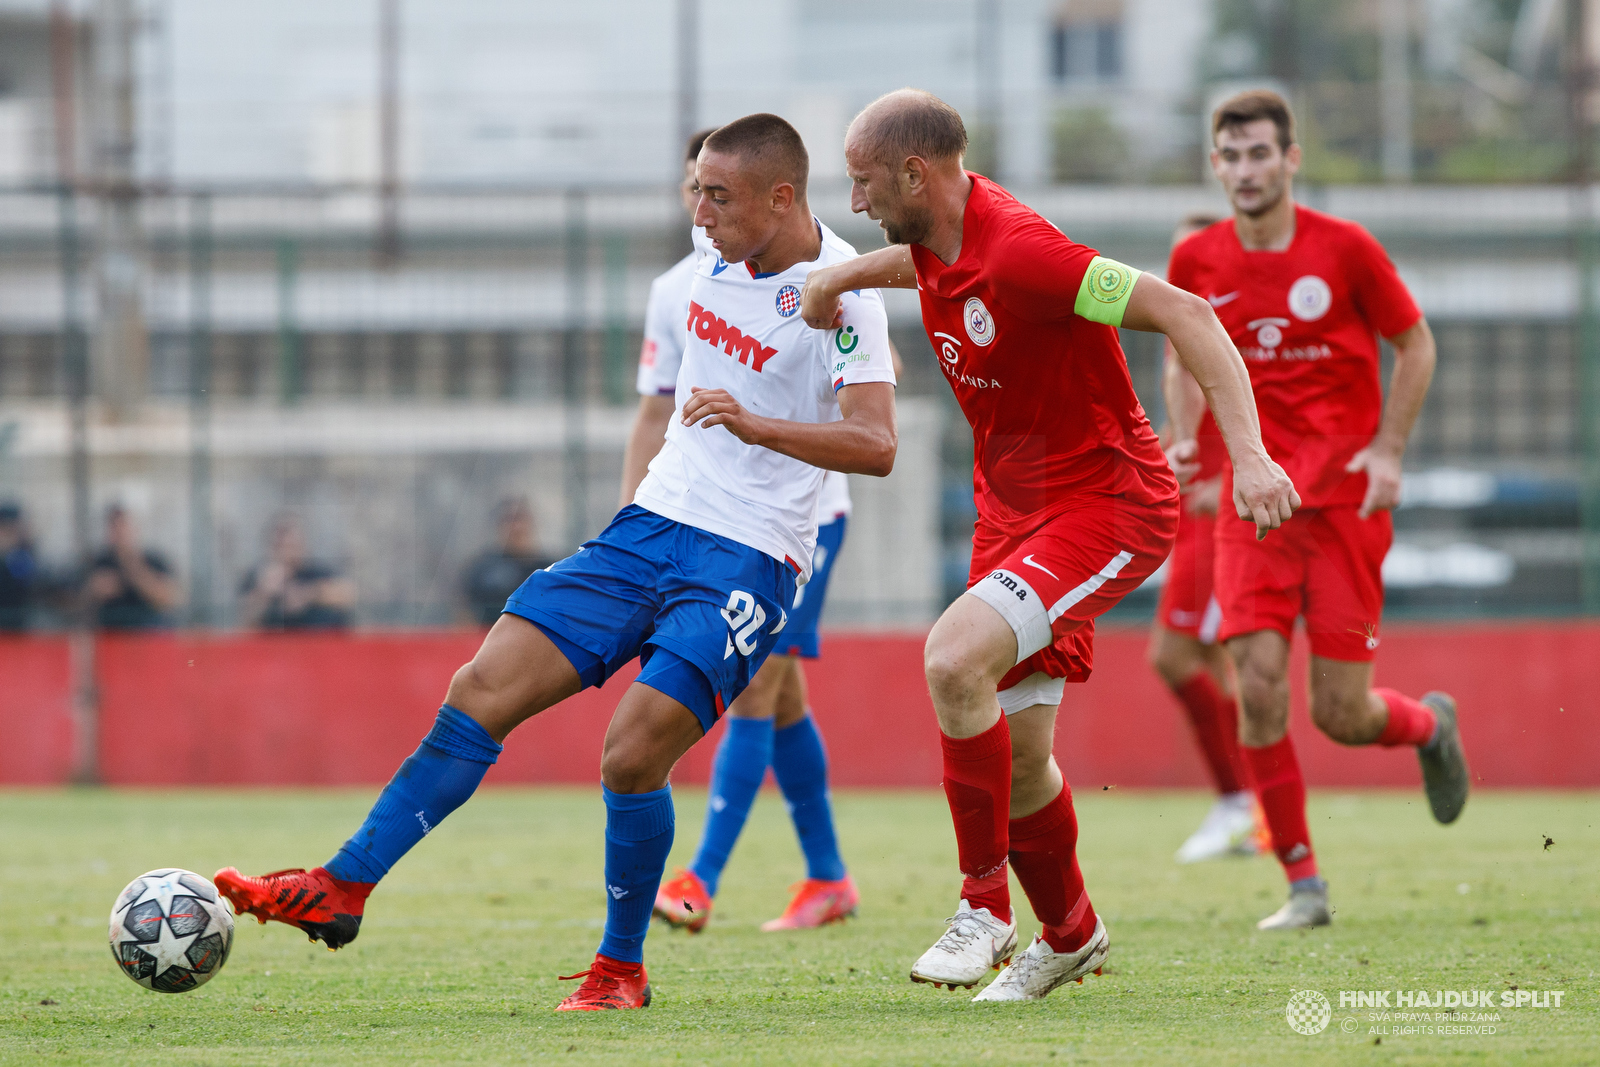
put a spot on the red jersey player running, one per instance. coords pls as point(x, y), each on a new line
point(1305, 296)
point(1183, 644)
point(1076, 506)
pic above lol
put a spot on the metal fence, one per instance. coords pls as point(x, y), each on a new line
point(391, 390)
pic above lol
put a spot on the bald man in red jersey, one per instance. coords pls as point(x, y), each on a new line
point(1305, 297)
point(1076, 507)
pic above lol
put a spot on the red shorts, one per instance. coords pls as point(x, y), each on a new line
point(1188, 604)
point(1324, 564)
point(1051, 583)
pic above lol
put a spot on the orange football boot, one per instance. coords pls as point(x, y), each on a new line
point(684, 902)
point(608, 984)
point(816, 903)
point(327, 909)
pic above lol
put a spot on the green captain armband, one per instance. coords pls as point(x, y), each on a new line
point(1103, 296)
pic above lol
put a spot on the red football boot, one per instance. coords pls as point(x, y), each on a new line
point(684, 902)
point(608, 984)
point(324, 907)
point(817, 903)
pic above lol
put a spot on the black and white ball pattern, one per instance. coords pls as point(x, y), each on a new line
point(170, 931)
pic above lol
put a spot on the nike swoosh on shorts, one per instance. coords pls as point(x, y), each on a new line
point(1028, 559)
point(1218, 301)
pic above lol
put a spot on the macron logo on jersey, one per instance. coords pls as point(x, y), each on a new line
point(707, 326)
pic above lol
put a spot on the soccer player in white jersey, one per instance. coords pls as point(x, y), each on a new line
point(694, 578)
point(770, 724)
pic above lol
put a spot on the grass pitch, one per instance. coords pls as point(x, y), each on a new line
point(458, 955)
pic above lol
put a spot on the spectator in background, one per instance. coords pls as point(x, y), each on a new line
point(291, 591)
point(129, 587)
point(496, 572)
point(20, 578)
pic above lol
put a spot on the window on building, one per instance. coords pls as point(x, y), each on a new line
point(1086, 41)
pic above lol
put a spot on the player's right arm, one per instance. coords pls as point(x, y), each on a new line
point(659, 360)
point(886, 268)
point(1262, 492)
point(649, 433)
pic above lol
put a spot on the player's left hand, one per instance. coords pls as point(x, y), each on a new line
point(1382, 465)
point(717, 407)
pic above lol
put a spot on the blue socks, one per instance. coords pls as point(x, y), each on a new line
point(801, 768)
point(797, 758)
point(436, 780)
point(639, 830)
point(736, 777)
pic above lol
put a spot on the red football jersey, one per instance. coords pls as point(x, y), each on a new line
point(1307, 321)
point(1046, 391)
point(1213, 452)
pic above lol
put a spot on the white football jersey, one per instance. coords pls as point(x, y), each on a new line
point(743, 333)
point(662, 352)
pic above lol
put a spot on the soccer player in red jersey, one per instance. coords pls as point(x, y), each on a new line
point(1305, 297)
point(1183, 642)
point(1076, 505)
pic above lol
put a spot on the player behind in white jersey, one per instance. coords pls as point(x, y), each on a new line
point(662, 352)
point(694, 578)
point(770, 724)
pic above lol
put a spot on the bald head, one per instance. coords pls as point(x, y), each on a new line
point(906, 123)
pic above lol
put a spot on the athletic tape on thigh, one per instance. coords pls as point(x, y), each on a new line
point(1017, 602)
point(1036, 688)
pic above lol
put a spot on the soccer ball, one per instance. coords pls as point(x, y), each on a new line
point(170, 931)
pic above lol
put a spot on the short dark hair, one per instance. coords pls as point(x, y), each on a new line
point(692, 149)
point(770, 143)
point(1253, 105)
point(911, 122)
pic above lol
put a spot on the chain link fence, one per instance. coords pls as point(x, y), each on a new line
point(390, 391)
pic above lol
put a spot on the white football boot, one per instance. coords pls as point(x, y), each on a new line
point(973, 943)
point(1307, 907)
point(1229, 829)
point(1040, 969)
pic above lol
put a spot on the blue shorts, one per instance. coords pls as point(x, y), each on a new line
point(700, 611)
point(800, 637)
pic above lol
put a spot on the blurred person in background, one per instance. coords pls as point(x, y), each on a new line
point(1305, 297)
point(129, 587)
point(1183, 642)
point(291, 591)
point(20, 577)
point(496, 572)
point(665, 317)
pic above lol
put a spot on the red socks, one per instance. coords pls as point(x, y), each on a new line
point(1044, 852)
point(1282, 792)
point(1215, 718)
point(977, 782)
point(1411, 722)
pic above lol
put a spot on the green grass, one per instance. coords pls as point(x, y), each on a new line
point(458, 957)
